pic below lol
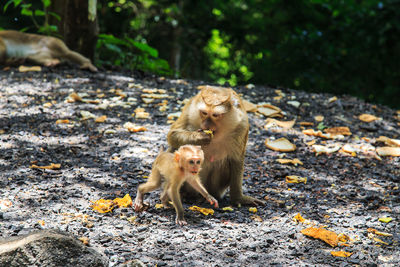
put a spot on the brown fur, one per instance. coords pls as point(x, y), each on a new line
point(45, 50)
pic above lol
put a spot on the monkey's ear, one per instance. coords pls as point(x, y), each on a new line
point(177, 156)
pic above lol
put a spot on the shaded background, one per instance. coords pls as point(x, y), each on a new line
point(336, 46)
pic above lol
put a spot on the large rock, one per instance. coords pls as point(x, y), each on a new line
point(48, 248)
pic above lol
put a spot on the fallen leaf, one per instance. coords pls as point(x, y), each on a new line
point(338, 131)
point(52, 166)
point(227, 209)
point(140, 113)
point(253, 209)
point(374, 231)
point(341, 253)
point(388, 141)
point(385, 219)
point(380, 241)
point(281, 144)
point(133, 128)
point(101, 119)
point(103, 205)
point(318, 133)
point(294, 103)
point(205, 211)
point(326, 149)
point(159, 206)
point(41, 222)
point(5, 204)
point(332, 99)
point(26, 69)
point(84, 240)
point(248, 106)
point(87, 115)
point(298, 218)
point(388, 151)
point(62, 121)
point(327, 236)
point(256, 218)
point(306, 123)
point(294, 179)
point(74, 97)
point(367, 118)
point(290, 161)
point(125, 202)
point(283, 124)
point(319, 118)
point(269, 110)
point(47, 105)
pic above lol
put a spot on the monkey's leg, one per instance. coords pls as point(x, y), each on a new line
point(195, 183)
point(164, 196)
point(235, 185)
point(173, 192)
point(153, 183)
point(44, 58)
point(60, 50)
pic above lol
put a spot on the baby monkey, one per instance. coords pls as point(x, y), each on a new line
point(176, 168)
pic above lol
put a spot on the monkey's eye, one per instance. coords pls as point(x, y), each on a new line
point(191, 162)
point(216, 115)
point(198, 162)
point(204, 113)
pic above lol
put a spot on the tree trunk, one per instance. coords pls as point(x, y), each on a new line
point(78, 31)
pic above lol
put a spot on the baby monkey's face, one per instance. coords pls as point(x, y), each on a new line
point(194, 165)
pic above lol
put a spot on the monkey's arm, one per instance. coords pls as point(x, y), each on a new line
point(195, 183)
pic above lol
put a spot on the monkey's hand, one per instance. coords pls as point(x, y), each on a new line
point(212, 201)
point(180, 221)
point(247, 200)
point(201, 138)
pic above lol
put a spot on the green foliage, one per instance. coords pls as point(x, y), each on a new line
point(130, 54)
point(39, 16)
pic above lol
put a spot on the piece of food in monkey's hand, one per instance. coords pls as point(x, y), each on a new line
point(209, 132)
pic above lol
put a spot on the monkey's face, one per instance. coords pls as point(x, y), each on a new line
point(211, 117)
point(193, 165)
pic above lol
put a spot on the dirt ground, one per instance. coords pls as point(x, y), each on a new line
point(349, 193)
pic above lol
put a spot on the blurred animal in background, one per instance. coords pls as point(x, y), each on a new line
point(18, 47)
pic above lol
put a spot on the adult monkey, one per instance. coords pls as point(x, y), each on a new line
point(216, 119)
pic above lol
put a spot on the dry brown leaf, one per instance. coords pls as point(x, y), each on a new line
point(327, 236)
point(281, 144)
point(341, 253)
point(388, 141)
point(294, 179)
point(249, 107)
point(269, 110)
point(380, 241)
point(388, 151)
point(62, 121)
point(26, 69)
point(318, 133)
point(306, 123)
point(101, 119)
point(205, 211)
point(75, 97)
point(319, 149)
point(84, 240)
point(52, 166)
point(283, 124)
point(256, 218)
point(374, 231)
point(133, 128)
point(338, 131)
point(319, 118)
point(290, 161)
point(367, 118)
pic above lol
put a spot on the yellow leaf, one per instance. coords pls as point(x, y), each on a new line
point(253, 209)
point(341, 253)
point(227, 209)
point(26, 69)
point(41, 222)
point(125, 202)
point(291, 161)
point(159, 206)
point(367, 118)
point(325, 235)
point(291, 179)
point(385, 219)
point(62, 121)
point(380, 241)
point(205, 211)
point(101, 119)
point(52, 166)
point(374, 231)
point(103, 205)
point(298, 218)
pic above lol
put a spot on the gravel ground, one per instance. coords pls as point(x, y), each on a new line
point(344, 193)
